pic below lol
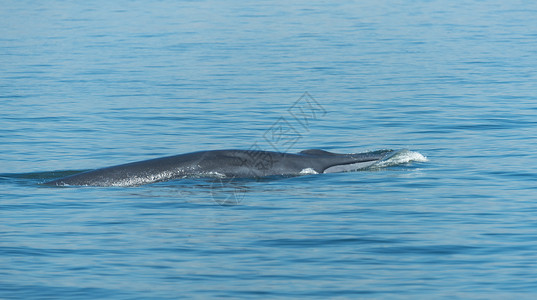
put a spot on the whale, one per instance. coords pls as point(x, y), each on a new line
point(224, 163)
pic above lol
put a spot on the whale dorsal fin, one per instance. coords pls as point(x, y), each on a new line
point(316, 152)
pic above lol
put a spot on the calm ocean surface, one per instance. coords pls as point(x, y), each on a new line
point(89, 85)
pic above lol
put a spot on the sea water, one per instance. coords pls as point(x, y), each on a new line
point(85, 85)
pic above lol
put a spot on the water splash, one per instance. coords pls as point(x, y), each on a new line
point(401, 157)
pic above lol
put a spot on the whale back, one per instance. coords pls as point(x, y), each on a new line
point(316, 152)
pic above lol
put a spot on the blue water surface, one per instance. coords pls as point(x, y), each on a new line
point(85, 85)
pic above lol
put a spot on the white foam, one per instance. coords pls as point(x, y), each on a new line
point(401, 157)
point(308, 171)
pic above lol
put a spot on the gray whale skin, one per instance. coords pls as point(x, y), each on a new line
point(224, 163)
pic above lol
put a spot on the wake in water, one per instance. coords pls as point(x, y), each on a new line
point(399, 158)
